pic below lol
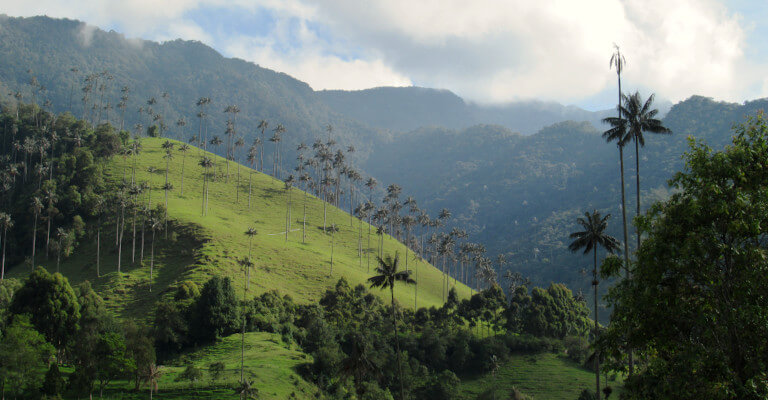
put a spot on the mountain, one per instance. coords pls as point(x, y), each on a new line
point(520, 195)
point(47, 49)
point(403, 109)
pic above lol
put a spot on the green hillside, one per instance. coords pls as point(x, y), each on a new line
point(199, 247)
point(540, 376)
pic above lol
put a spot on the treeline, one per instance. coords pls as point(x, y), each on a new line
point(48, 325)
point(349, 333)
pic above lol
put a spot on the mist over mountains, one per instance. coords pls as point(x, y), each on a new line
point(515, 176)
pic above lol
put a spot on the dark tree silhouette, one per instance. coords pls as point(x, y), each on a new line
point(386, 278)
point(590, 238)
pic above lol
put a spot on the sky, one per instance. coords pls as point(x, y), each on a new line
point(486, 51)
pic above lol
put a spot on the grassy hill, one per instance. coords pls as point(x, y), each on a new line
point(269, 364)
point(541, 376)
point(199, 247)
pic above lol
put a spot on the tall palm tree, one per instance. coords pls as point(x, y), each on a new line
point(276, 139)
point(263, 125)
point(98, 209)
point(386, 278)
point(206, 163)
point(61, 234)
point(37, 208)
point(307, 179)
point(183, 149)
point(154, 225)
point(7, 223)
point(640, 117)
point(289, 181)
point(590, 238)
point(181, 123)
point(618, 133)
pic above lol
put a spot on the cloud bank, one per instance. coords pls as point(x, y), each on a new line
point(488, 51)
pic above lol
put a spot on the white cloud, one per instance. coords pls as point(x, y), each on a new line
point(485, 50)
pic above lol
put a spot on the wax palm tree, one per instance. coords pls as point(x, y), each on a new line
point(289, 181)
point(61, 234)
point(251, 161)
point(98, 210)
point(590, 238)
point(386, 278)
point(37, 208)
point(206, 163)
point(618, 133)
point(181, 123)
point(238, 144)
point(152, 376)
point(168, 186)
point(7, 223)
point(183, 149)
point(246, 390)
point(307, 179)
point(640, 117)
point(263, 125)
point(154, 225)
point(276, 139)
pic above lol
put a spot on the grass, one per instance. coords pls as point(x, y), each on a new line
point(270, 365)
point(201, 246)
point(541, 376)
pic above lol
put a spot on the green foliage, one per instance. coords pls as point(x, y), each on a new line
point(51, 304)
point(215, 313)
point(112, 360)
point(24, 353)
point(54, 384)
point(701, 270)
point(191, 374)
point(215, 370)
point(552, 312)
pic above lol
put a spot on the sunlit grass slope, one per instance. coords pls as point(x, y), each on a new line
point(270, 366)
point(541, 376)
point(200, 246)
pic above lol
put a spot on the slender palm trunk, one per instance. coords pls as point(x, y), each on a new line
point(133, 245)
point(397, 342)
point(34, 240)
point(152, 260)
point(182, 172)
point(237, 185)
point(333, 229)
point(48, 235)
point(98, 248)
point(250, 175)
point(5, 240)
point(120, 239)
point(637, 172)
point(597, 357)
point(304, 222)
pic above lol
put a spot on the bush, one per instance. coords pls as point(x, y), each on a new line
point(576, 348)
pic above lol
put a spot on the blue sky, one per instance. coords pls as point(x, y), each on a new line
point(487, 51)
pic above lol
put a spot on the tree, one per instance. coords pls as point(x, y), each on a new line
point(589, 239)
point(692, 306)
point(215, 311)
point(52, 304)
point(289, 181)
point(23, 354)
point(640, 117)
point(154, 225)
point(386, 278)
point(206, 163)
point(151, 375)
point(111, 360)
point(37, 208)
point(191, 374)
point(183, 149)
point(263, 125)
point(6, 222)
point(618, 133)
